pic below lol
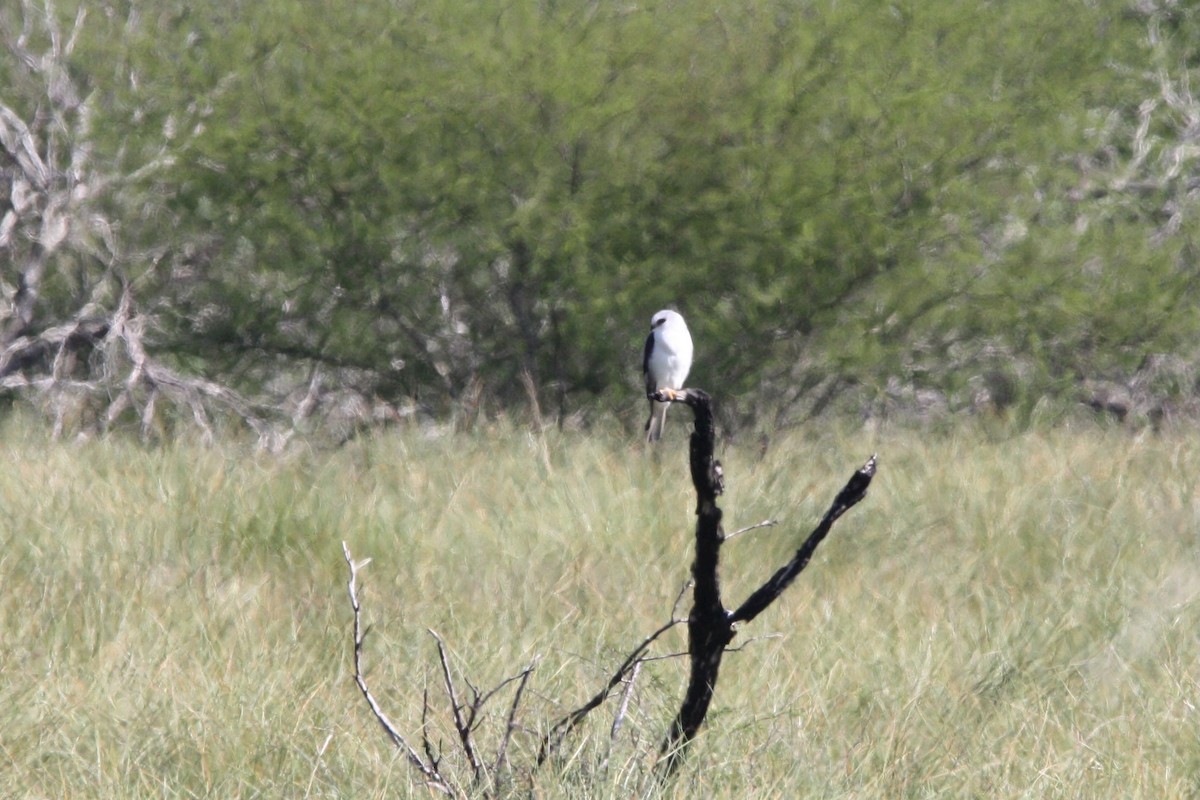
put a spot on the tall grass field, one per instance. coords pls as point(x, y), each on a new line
point(1012, 615)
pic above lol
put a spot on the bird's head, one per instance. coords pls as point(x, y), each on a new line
point(666, 318)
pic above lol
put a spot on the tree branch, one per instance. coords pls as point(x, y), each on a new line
point(854, 491)
point(710, 625)
point(462, 727)
point(511, 726)
point(766, 523)
point(709, 629)
point(553, 738)
point(430, 771)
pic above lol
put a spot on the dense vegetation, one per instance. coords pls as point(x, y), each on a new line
point(438, 205)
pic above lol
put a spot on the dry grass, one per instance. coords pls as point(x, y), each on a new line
point(1002, 617)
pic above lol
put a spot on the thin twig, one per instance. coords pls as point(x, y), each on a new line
point(432, 776)
point(766, 523)
point(512, 714)
point(665, 656)
point(312, 776)
point(434, 759)
point(519, 676)
point(747, 642)
point(558, 731)
point(619, 719)
point(679, 599)
point(463, 728)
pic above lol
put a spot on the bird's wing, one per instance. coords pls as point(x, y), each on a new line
point(651, 384)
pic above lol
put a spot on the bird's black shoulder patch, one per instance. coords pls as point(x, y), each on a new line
point(646, 351)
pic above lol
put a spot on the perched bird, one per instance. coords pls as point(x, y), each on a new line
point(665, 364)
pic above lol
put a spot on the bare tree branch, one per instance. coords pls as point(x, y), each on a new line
point(709, 630)
point(622, 709)
point(553, 738)
point(462, 727)
point(710, 624)
point(619, 719)
point(429, 770)
point(433, 758)
point(511, 726)
point(465, 717)
point(854, 491)
point(766, 523)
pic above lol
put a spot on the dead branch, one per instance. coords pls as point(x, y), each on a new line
point(619, 719)
point(511, 726)
point(854, 491)
point(747, 642)
point(427, 769)
point(710, 630)
point(55, 225)
point(553, 738)
point(766, 523)
point(622, 710)
point(433, 758)
point(466, 716)
point(710, 624)
point(463, 727)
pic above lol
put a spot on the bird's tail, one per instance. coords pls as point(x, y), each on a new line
point(658, 418)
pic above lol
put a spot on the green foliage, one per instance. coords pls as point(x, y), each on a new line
point(423, 198)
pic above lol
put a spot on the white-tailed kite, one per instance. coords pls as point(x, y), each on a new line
point(665, 364)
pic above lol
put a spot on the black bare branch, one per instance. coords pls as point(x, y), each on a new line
point(710, 630)
point(553, 738)
point(710, 624)
point(854, 491)
point(461, 726)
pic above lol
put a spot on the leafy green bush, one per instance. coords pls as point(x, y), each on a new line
point(443, 200)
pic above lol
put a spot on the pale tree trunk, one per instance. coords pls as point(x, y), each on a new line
point(83, 354)
point(46, 161)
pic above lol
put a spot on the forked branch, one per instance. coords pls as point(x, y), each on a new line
point(710, 624)
point(466, 715)
point(427, 769)
point(710, 630)
point(463, 727)
point(553, 738)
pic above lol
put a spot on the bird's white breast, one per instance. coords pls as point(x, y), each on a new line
point(671, 358)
